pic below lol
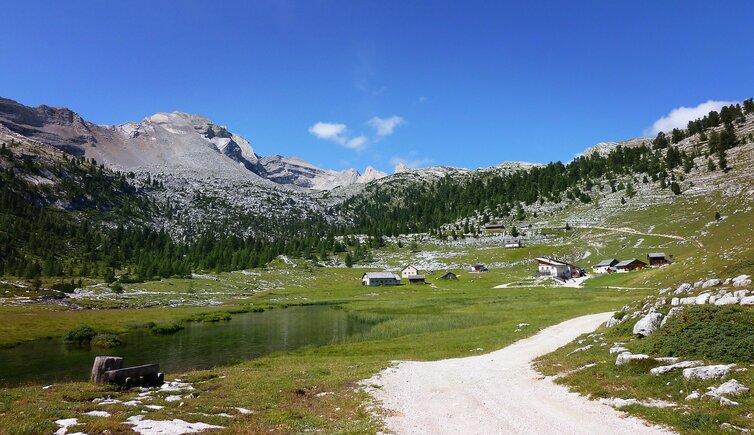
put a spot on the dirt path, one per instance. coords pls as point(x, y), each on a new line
point(633, 231)
point(497, 393)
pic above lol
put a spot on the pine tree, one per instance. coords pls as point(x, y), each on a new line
point(675, 188)
point(721, 160)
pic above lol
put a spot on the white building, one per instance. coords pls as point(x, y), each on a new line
point(553, 267)
point(380, 278)
point(409, 271)
point(604, 265)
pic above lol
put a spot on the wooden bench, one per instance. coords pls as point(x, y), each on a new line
point(110, 369)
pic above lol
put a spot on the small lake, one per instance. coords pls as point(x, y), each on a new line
point(198, 346)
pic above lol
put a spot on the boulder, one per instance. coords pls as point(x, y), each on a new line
point(675, 301)
point(612, 322)
point(681, 365)
point(691, 300)
point(684, 288)
point(711, 283)
point(698, 284)
point(727, 299)
point(727, 402)
point(740, 294)
point(748, 300)
point(707, 373)
point(627, 357)
point(693, 396)
point(741, 281)
point(702, 299)
point(730, 388)
point(647, 324)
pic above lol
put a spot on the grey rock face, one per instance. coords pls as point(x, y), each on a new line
point(730, 388)
point(707, 373)
point(648, 324)
point(681, 365)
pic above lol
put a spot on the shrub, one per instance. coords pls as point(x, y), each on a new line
point(117, 288)
point(106, 341)
point(166, 328)
point(64, 287)
point(724, 334)
point(80, 334)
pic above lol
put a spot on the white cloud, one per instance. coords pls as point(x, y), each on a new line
point(385, 126)
point(680, 116)
point(411, 161)
point(338, 133)
point(356, 143)
point(327, 130)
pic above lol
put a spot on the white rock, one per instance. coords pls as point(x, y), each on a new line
point(727, 299)
point(740, 294)
point(693, 396)
point(648, 324)
point(627, 357)
point(618, 349)
point(612, 322)
point(707, 373)
point(581, 349)
point(711, 283)
point(64, 424)
point(98, 413)
point(681, 365)
point(730, 388)
point(702, 299)
point(175, 426)
point(684, 288)
point(173, 398)
point(741, 281)
point(617, 402)
point(675, 301)
point(691, 300)
point(727, 402)
point(748, 300)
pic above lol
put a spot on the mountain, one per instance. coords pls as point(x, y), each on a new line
point(173, 143)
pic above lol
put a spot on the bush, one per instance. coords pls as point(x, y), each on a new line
point(166, 328)
point(106, 341)
point(79, 334)
point(117, 288)
point(724, 334)
point(64, 287)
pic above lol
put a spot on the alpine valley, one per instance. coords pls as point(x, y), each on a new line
point(251, 280)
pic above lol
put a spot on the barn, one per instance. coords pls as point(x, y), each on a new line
point(380, 278)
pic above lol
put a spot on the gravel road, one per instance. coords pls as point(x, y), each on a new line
point(497, 393)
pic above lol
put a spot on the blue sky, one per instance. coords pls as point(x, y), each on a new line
point(356, 83)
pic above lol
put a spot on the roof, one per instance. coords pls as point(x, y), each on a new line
point(415, 277)
point(382, 275)
point(448, 273)
point(625, 263)
point(656, 255)
point(477, 265)
point(552, 261)
point(409, 265)
point(608, 262)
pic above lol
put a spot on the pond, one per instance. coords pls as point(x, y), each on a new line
point(198, 346)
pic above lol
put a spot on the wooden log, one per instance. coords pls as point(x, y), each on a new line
point(147, 375)
point(103, 364)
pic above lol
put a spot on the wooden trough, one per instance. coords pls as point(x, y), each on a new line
point(110, 369)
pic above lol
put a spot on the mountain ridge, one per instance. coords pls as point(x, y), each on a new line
point(170, 142)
